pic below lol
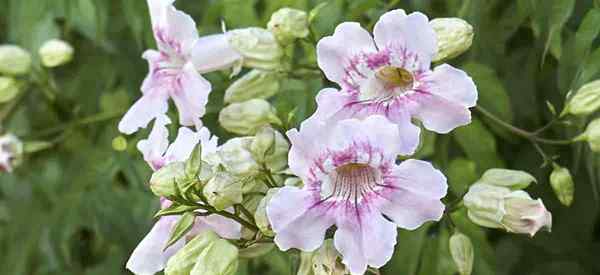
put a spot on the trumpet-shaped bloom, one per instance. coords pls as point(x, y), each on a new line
point(174, 68)
point(389, 74)
point(351, 180)
point(149, 256)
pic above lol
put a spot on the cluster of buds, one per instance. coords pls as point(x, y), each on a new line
point(498, 201)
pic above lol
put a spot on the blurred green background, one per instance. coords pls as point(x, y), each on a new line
point(80, 207)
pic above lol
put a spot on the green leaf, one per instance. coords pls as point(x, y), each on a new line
point(479, 145)
point(239, 13)
point(461, 174)
point(194, 162)
point(492, 94)
point(183, 225)
point(560, 12)
point(175, 209)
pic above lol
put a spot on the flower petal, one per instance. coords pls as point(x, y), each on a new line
point(364, 238)
point(148, 107)
point(149, 257)
point(412, 31)
point(297, 219)
point(213, 52)
point(334, 52)
point(182, 147)
point(439, 114)
point(224, 227)
point(191, 95)
point(156, 144)
point(453, 84)
point(409, 133)
point(420, 177)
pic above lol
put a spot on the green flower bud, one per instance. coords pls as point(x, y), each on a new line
point(247, 117)
point(278, 160)
point(592, 135)
point(223, 190)
point(206, 254)
point(165, 182)
point(288, 24)
point(237, 158)
point(293, 181)
point(500, 207)
point(324, 261)
point(454, 37)
point(586, 101)
point(9, 88)
point(254, 84)
point(263, 144)
point(461, 250)
point(512, 179)
point(11, 152)
point(55, 52)
point(260, 216)
point(14, 60)
point(562, 184)
point(258, 47)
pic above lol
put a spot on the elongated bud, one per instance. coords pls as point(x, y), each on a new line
point(513, 179)
point(500, 207)
point(254, 84)
point(164, 182)
point(55, 53)
point(592, 135)
point(586, 101)
point(461, 250)
point(223, 190)
point(562, 184)
point(9, 88)
point(324, 261)
point(236, 157)
point(288, 24)
point(258, 47)
point(278, 160)
point(247, 117)
point(263, 144)
point(206, 254)
point(454, 37)
point(11, 152)
point(260, 216)
point(14, 60)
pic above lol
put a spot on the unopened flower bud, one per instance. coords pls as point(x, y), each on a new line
point(14, 60)
point(247, 117)
point(223, 190)
point(324, 261)
point(11, 152)
point(592, 135)
point(500, 207)
point(164, 182)
point(562, 184)
point(254, 84)
point(260, 216)
point(237, 158)
point(258, 47)
point(263, 144)
point(278, 160)
point(586, 101)
point(513, 179)
point(9, 88)
point(461, 250)
point(454, 37)
point(288, 24)
point(55, 52)
point(206, 254)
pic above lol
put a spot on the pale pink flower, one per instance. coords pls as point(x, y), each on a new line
point(150, 257)
point(390, 75)
point(351, 180)
point(175, 68)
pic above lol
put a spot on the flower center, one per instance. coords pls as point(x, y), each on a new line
point(394, 77)
point(350, 182)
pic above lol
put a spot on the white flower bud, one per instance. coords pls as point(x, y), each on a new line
point(512, 179)
point(288, 24)
point(254, 84)
point(278, 160)
point(258, 47)
point(11, 152)
point(237, 158)
point(586, 101)
point(592, 135)
point(247, 117)
point(55, 52)
point(260, 216)
point(14, 60)
point(263, 144)
point(562, 184)
point(454, 37)
point(206, 254)
point(223, 190)
point(499, 207)
point(164, 182)
point(461, 250)
point(9, 88)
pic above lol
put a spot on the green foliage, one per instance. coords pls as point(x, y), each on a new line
point(80, 207)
